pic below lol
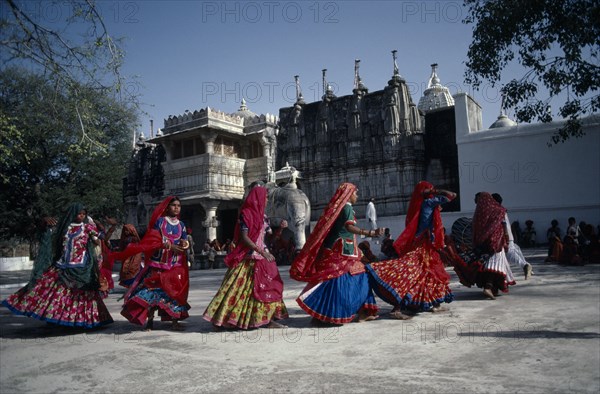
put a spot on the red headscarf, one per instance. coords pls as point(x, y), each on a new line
point(488, 229)
point(404, 242)
point(175, 281)
point(152, 240)
point(253, 212)
point(303, 268)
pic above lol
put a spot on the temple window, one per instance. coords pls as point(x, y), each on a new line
point(226, 147)
point(256, 150)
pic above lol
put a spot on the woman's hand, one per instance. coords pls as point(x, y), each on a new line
point(267, 255)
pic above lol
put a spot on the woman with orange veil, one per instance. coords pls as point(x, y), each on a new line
point(338, 287)
point(417, 279)
point(163, 283)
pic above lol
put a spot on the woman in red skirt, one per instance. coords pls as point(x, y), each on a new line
point(417, 280)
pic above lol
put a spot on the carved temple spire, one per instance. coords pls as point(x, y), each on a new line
point(356, 76)
point(396, 76)
point(324, 82)
point(358, 85)
point(299, 98)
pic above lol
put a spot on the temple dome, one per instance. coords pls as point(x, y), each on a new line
point(436, 95)
point(503, 121)
point(244, 112)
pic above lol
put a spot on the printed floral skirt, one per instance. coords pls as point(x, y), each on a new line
point(136, 307)
point(234, 305)
point(338, 300)
point(51, 301)
point(417, 280)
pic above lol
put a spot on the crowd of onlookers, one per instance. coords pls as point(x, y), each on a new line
point(579, 244)
point(280, 244)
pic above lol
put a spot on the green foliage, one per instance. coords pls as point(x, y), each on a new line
point(556, 41)
point(46, 161)
point(74, 48)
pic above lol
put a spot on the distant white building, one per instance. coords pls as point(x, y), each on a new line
point(537, 180)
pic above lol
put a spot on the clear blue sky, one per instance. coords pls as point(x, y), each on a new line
point(190, 54)
point(193, 54)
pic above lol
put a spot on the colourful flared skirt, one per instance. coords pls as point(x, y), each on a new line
point(340, 299)
point(52, 301)
point(234, 305)
point(417, 280)
point(143, 299)
point(486, 270)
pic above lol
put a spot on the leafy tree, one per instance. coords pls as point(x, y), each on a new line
point(66, 122)
point(557, 41)
point(72, 48)
point(44, 163)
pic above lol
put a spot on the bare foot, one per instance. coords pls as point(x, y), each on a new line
point(369, 318)
point(488, 293)
point(362, 317)
point(149, 325)
point(175, 326)
point(440, 309)
point(397, 314)
point(274, 324)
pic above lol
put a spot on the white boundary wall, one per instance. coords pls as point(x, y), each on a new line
point(536, 181)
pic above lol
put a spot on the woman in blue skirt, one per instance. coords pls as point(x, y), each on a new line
point(338, 288)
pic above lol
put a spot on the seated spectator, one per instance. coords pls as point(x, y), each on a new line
point(529, 235)
point(368, 256)
point(216, 245)
point(516, 230)
point(555, 245)
point(591, 251)
point(387, 246)
point(573, 230)
point(570, 253)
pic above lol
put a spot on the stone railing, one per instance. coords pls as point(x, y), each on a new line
point(204, 173)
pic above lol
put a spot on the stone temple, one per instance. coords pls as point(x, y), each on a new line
point(379, 140)
point(206, 158)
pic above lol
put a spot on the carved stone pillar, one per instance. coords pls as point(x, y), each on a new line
point(211, 223)
point(209, 140)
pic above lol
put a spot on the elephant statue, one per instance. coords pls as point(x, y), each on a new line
point(291, 204)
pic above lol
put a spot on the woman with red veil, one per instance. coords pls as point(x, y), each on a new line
point(486, 265)
point(338, 287)
point(251, 294)
point(163, 283)
point(417, 280)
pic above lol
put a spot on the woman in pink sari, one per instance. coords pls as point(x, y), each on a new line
point(251, 294)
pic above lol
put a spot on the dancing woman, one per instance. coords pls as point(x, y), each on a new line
point(338, 287)
point(132, 265)
point(163, 284)
point(251, 294)
point(65, 279)
point(487, 266)
point(417, 280)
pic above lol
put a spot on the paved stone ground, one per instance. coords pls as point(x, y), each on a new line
point(543, 337)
